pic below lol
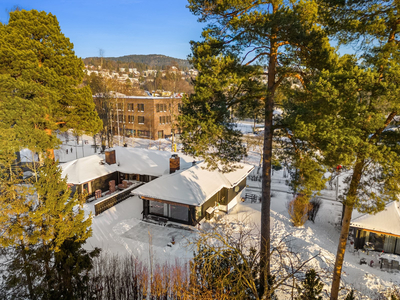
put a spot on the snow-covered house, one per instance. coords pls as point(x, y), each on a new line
point(120, 163)
point(190, 195)
point(382, 230)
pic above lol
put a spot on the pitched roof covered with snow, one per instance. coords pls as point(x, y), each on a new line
point(128, 160)
point(193, 186)
point(86, 169)
point(145, 161)
point(387, 221)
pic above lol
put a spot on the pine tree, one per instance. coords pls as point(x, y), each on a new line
point(284, 36)
point(40, 79)
point(40, 91)
point(220, 273)
point(373, 27)
point(345, 116)
point(17, 230)
point(311, 287)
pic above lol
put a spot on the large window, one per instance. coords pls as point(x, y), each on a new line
point(156, 208)
point(161, 107)
point(120, 106)
point(131, 119)
point(173, 211)
point(377, 240)
point(130, 107)
point(140, 119)
point(162, 120)
point(143, 133)
point(140, 107)
point(179, 212)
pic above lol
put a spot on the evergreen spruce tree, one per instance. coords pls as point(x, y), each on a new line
point(44, 243)
point(350, 296)
point(311, 287)
point(70, 272)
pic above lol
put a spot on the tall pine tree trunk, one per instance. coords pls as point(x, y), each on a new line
point(265, 269)
point(344, 233)
point(266, 201)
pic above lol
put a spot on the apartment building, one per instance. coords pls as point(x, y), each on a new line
point(144, 116)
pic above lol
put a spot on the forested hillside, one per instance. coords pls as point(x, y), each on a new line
point(141, 62)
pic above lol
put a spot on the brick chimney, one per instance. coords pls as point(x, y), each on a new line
point(110, 157)
point(174, 163)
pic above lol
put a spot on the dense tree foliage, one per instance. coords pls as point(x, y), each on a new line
point(42, 226)
point(362, 96)
point(42, 230)
point(347, 115)
point(311, 287)
point(282, 35)
point(140, 62)
point(39, 81)
point(171, 81)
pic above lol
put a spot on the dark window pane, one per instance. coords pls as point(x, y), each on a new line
point(179, 212)
point(156, 208)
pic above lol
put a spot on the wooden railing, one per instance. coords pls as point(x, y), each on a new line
point(113, 200)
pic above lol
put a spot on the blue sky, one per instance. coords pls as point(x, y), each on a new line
point(120, 27)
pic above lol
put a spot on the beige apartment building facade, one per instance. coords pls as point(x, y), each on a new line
point(145, 116)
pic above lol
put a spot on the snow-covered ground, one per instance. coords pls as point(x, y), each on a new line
point(70, 149)
point(121, 231)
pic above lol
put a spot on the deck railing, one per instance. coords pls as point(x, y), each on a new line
point(113, 200)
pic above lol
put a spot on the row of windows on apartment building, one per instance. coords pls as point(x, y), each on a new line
point(143, 133)
point(139, 133)
point(131, 119)
point(140, 107)
point(131, 107)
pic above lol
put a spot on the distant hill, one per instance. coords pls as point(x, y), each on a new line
point(156, 61)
